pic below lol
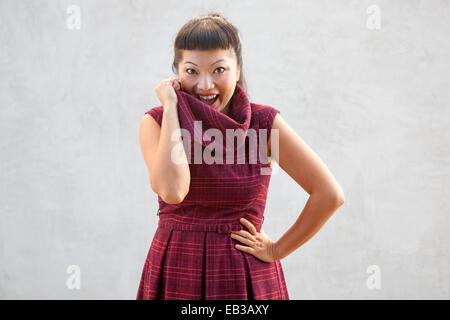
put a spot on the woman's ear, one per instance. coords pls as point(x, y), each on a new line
point(181, 86)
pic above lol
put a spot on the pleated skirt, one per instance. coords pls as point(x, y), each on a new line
point(200, 262)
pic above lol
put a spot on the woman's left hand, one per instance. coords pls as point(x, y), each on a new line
point(257, 243)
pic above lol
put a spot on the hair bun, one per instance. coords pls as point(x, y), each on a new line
point(215, 15)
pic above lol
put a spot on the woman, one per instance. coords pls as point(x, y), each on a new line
point(209, 243)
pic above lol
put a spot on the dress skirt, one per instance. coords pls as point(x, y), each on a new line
point(200, 262)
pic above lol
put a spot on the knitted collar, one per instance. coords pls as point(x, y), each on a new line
point(192, 109)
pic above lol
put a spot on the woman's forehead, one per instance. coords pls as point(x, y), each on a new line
point(207, 56)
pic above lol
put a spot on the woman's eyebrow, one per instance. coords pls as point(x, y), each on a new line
point(211, 64)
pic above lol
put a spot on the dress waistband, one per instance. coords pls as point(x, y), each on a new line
point(220, 227)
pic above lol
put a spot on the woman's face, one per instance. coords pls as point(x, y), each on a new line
point(210, 72)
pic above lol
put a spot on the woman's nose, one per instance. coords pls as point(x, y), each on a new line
point(205, 83)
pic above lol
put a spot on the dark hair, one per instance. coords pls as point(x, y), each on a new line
point(208, 32)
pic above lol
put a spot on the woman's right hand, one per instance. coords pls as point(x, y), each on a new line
point(166, 91)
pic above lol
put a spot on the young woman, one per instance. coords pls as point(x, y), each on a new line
point(209, 243)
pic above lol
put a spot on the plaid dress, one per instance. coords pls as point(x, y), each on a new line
point(192, 255)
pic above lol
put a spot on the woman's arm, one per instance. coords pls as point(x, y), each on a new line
point(169, 179)
point(305, 167)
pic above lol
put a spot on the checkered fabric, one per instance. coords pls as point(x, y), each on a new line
point(192, 255)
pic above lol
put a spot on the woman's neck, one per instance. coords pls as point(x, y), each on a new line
point(228, 110)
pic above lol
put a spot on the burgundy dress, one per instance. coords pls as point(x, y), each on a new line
point(192, 255)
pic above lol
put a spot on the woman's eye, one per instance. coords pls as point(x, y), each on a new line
point(187, 70)
point(221, 68)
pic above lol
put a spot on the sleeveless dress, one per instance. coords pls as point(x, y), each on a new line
point(192, 255)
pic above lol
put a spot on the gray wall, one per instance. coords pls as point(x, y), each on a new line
point(372, 103)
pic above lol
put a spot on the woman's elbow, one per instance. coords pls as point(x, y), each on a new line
point(341, 199)
point(172, 197)
point(338, 196)
point(334, 196)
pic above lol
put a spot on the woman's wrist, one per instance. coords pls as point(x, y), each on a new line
point(169, 106)
point(275, 253)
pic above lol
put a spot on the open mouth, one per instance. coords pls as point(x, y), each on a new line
point(210, 102)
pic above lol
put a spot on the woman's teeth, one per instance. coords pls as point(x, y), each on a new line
point(208, 99)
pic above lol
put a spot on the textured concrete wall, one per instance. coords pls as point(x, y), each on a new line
point(364, 83)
